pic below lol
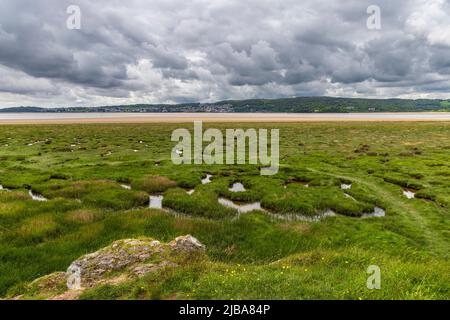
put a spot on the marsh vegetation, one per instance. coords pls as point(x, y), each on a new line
point(98, 190)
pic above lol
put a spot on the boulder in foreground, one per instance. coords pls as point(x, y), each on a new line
point(119, 262)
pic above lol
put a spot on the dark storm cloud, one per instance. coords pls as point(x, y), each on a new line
point(169, 51)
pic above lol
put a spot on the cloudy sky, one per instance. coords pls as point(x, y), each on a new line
point(165, 51)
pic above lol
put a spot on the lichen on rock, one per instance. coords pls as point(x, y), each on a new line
point(187, 243)
point(120, 254)
point(123, 259)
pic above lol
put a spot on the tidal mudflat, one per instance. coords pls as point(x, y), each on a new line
point(336, 206)
point(105, 117)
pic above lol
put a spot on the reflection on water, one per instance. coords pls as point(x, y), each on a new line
point(207, 179)
point(237, 187)
point(300, 217)
point(409, 194)
point(243, 208)
point(378, 212)
point(346, 186)
point(156, 202)
point(36, 197)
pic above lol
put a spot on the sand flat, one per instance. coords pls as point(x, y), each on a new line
point(74, 118)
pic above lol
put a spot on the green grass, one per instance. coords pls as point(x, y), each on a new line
point(80, 168)
point(153, 184)
point(201, 203)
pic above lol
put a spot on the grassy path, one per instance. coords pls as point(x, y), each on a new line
point(435, 240)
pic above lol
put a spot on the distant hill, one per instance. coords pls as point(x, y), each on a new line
point(23, 109)
point(294, 105)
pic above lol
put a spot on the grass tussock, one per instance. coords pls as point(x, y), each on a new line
point(99, 194)
point(153, 184)
point(84, 216)
point(201, 204)
point(37, 228)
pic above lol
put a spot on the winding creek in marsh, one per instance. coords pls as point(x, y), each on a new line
point(36, 197)
point(156, 202)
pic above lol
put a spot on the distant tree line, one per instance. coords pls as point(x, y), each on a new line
point(294, 105)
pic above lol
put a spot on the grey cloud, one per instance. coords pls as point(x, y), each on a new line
point(172, 51)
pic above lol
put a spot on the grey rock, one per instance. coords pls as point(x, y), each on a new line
point(187, 243)
point(122, 253)
point(131, 254)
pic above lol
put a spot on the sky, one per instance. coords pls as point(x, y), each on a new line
point(175, 51)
